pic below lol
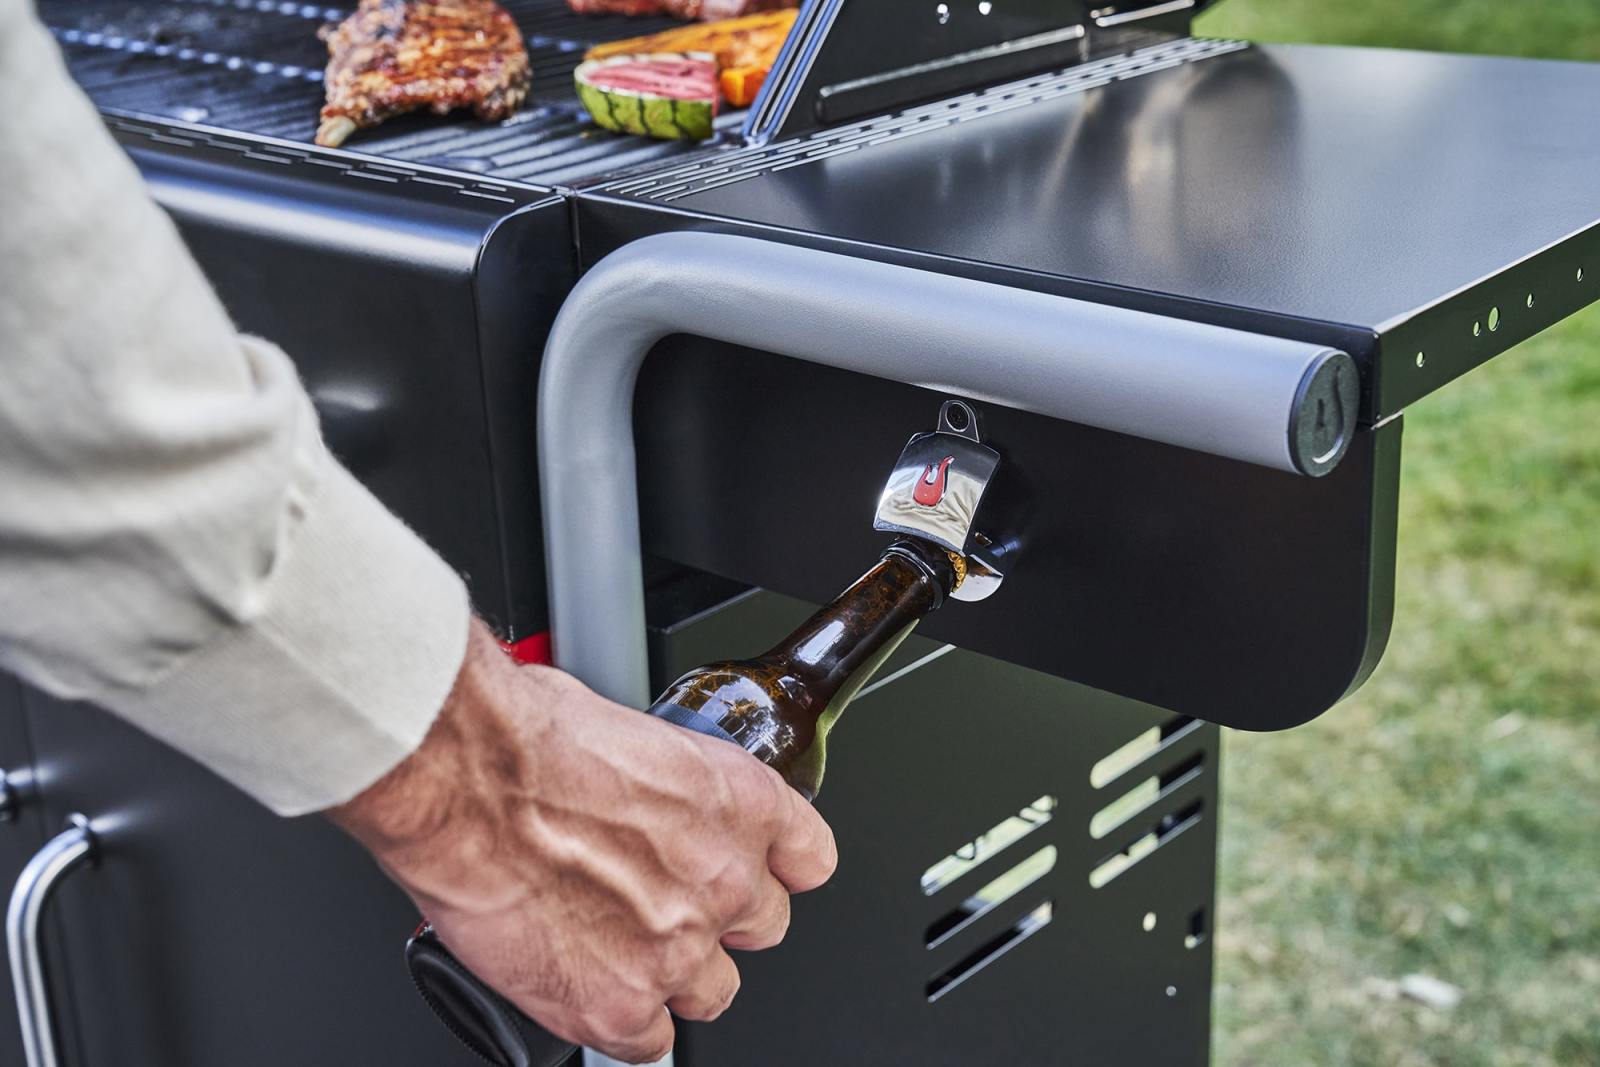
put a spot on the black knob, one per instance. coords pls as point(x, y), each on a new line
point(483, 1020)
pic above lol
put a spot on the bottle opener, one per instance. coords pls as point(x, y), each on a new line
point(936, 490)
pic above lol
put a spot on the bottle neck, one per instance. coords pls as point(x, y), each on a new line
point(834, 645)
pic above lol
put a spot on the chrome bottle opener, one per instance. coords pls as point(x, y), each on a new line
point(935, 491)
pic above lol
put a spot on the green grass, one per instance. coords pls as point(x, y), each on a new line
point(1446, 819)
point(1564, 29)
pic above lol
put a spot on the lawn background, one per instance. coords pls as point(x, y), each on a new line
point(1446, 819)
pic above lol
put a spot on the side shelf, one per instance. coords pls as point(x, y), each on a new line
point(1212, 588)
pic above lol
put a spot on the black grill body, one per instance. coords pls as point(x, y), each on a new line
point(1361, 199)
point(1186, 177)
point(213, 932)
point(406, 298)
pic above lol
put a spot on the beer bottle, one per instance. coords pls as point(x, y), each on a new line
point(780, 705)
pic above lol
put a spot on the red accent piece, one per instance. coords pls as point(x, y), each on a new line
point(930, 487)
point(535, 649)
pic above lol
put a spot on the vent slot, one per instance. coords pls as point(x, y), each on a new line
point(1144, 844)
point(1125, 758)
point(991, 896)
point(1196, 935)
point(991, 950)
point(981, 848)
point(1145, 794)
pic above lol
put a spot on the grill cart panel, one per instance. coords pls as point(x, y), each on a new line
point(1025, 873)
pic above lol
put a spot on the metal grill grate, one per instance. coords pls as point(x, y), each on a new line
point(255, 66)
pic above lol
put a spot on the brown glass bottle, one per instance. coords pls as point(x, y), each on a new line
point(780, 705)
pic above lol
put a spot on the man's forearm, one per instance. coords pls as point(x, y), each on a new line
point(175, 541)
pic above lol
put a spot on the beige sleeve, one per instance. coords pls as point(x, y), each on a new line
point(176, 544)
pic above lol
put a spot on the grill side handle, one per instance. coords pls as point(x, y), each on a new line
point(1264, 400)
point(60, 856)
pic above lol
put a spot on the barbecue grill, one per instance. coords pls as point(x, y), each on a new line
point(1190, 283)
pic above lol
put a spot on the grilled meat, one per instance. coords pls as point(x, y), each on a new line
point(394, 56)
point(705, 10)
point(615, 7)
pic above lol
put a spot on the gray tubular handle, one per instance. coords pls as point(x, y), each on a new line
point(1227, 392)
point(59, 857)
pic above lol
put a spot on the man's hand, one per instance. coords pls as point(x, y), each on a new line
point(589, 862)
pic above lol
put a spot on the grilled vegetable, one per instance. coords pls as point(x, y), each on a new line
point(712, 10)
point(673, 97)
point(741, 84)
point(705, 10)
point(743, 42)
point(745, 49)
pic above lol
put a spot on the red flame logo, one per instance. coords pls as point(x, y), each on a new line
point(930, 487)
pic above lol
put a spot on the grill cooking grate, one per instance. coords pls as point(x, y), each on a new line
point(255, 66)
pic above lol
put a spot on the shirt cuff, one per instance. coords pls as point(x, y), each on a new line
point(339, 678)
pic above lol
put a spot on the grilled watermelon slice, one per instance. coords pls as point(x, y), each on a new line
point(663, 94)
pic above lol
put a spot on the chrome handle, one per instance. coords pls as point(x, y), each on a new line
point(62, 854)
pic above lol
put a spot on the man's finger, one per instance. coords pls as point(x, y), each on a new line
point(766, 922)
point(709, 992)
point(647, 1046)
point(803, 855)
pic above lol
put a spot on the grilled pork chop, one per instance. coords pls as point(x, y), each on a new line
point(615, 7)
point(394, 56)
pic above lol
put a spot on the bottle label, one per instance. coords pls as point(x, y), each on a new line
point(678, 715)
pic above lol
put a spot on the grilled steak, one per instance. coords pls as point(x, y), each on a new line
point(394, 56)
point(615, 7)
